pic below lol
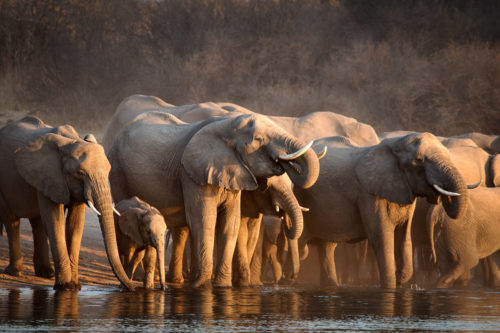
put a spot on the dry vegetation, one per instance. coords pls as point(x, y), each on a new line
point(419, 65)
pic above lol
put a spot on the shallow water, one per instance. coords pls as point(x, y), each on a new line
point(262, 309)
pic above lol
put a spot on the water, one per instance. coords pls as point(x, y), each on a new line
point(264, 309)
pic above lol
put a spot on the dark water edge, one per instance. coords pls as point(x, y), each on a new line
point(97, 309)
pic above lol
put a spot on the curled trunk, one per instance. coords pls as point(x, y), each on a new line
point(448, 178)
point(303, 170)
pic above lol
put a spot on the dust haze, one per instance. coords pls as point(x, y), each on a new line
point(418, 65)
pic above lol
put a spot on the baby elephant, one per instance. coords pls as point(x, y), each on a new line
point(140, 233)
point(459, 244)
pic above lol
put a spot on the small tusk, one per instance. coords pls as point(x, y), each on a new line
point(443, 191)
point(298, 153)
point(116, 212)
point(277, 208)
point(304, 209)
point(472, 186)
point(91, 205)
point(323, 153)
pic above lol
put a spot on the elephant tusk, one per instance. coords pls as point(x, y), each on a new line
point(91, 205)
point(298, 153)
point(444, 192)
point(473, 186)
point(116, 212)
point(323, 153)
point(304, 209)
point(277, 208)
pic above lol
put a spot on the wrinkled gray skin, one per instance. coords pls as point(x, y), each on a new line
point(470, 154)
point(370, 192)
point(474, 164)
point(140, 233)
point(157, 157)
point(458, 244)
point(309, 127)
point(44, 170)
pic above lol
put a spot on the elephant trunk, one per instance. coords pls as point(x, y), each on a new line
point(160, 258)
point(447, 177)
point(288, 202)
point(101, 198)
point(303, 170)
point(293, 250)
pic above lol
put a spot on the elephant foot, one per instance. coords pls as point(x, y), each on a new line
point(244, 283)
point(329, 284)
point(11, 270)
point(68, 286)
point(175, 279)
point(287, 281)
point(224, 283)
point(201, 282)
point(44, 272)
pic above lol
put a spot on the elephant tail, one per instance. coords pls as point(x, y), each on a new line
point(431, 223)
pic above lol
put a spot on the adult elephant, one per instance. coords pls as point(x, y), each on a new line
point(308, 127)
point(477, 167)
point(369, 192)
point(194, 174)
point(43, 170)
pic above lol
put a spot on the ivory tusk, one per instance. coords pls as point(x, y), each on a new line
point(298, 153)
point(323, 153)
point(444, 192)
point(91, 205)
point(472, 186)
point(277, 208)
point(116, 212)
point(304, 209)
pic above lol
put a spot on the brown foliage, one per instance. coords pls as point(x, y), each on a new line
point(421, 65)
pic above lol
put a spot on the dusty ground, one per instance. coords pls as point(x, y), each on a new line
point(94, 265)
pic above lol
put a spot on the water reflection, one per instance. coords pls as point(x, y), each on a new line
point(268, 308)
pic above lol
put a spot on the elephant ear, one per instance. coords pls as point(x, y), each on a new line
point(39, 163)
point(495, 170)
point(379, 173)
point(210, 159)
point(128, 223)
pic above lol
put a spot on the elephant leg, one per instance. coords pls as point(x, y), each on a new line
point(179, 237)
point(404, 254)
point(494, 269)
point(53, 220)
point(328, 272)
point(74, 232)
point(380, 234)
point(228, 222)
point(256, 260)
point(41, 259)
point(241, 273)
point(270, 254)
point(137, 258)
point(149, 267)
point(128, 258)
point(451, 276)
point(15, 267)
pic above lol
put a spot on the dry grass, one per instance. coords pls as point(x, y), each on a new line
point(427, 66)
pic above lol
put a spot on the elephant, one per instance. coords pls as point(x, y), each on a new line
point(43, 170)
point(308, 127)
point(140, 233)
point(194, 174)
point(458, 244)
point(476, 167)
point(369, 192)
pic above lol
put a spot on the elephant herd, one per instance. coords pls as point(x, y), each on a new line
point(236, 189)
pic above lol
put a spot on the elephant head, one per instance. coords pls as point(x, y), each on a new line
point(399, 169)
point(241, 153)
point(145, 225)
point(65, 170)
